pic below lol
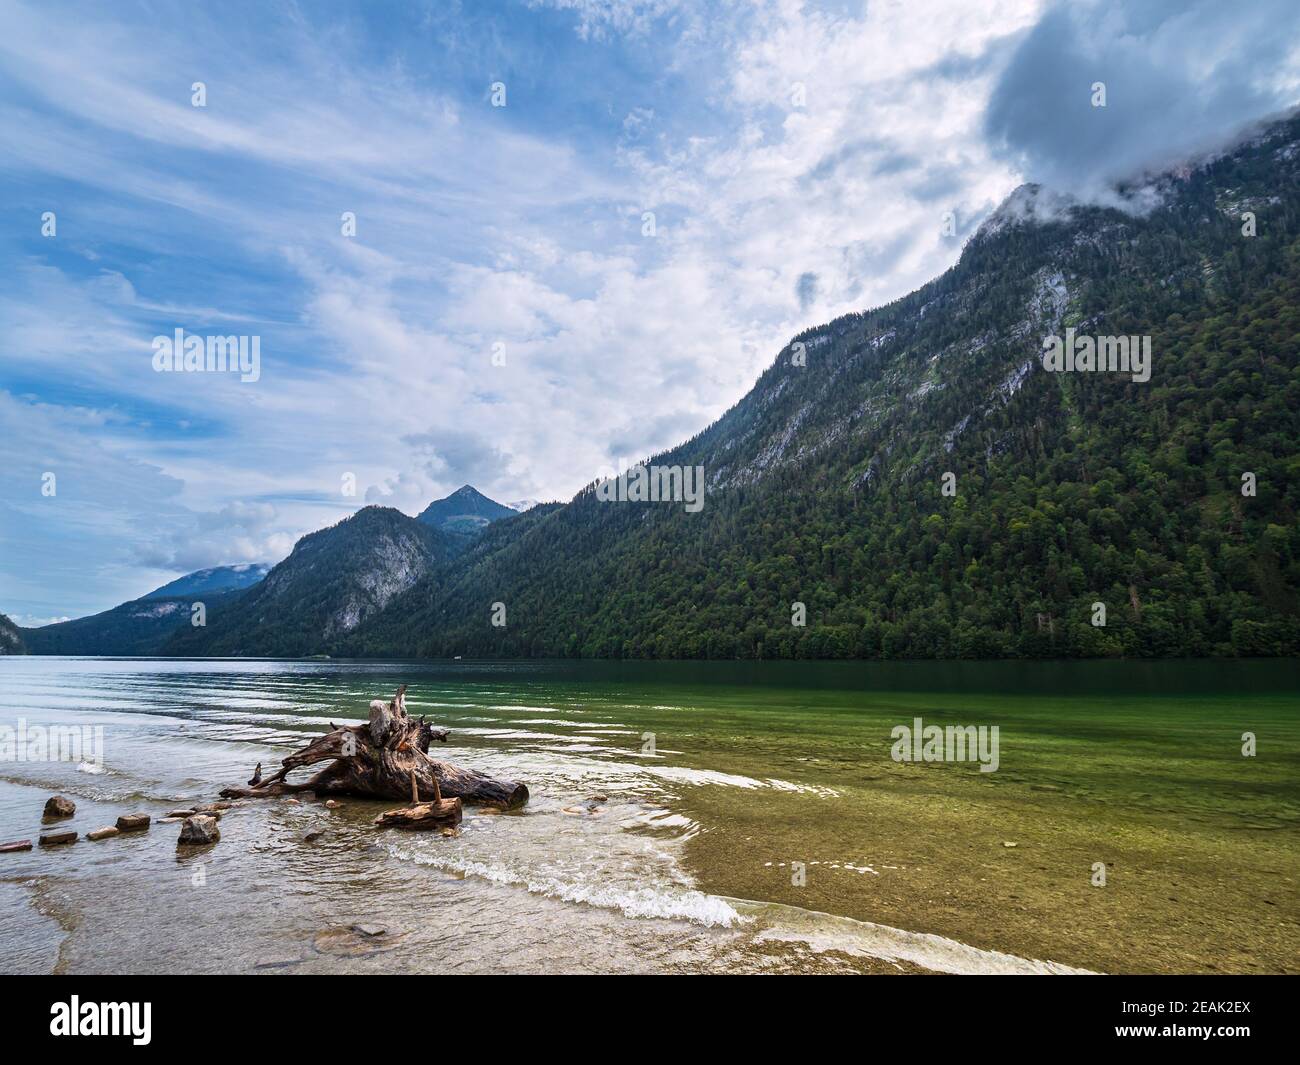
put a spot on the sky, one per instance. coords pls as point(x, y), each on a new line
point(582, 229)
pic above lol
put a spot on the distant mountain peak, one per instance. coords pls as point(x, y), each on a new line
point(213, 579)
point(466, 510)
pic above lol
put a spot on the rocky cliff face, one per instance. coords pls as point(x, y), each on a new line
point(329, 584)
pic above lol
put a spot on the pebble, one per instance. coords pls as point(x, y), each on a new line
point(102, 833)
point(133, 822)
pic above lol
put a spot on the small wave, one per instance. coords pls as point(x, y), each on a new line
point(686, 775)
point(823, 932)
point(694, 906)
point(89, 767)
point(764, 922)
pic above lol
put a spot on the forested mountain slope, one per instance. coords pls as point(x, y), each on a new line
point(212, 580)
point(824, 482)
point(140, 627)
point(11, 640)
point(331, 582)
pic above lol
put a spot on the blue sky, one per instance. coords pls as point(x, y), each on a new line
point(798, 158)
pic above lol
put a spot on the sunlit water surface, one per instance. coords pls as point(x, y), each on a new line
point(717, 779)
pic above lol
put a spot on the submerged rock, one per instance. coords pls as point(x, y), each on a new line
point(199, 830)
point(58, 806)
point(133, 822)
point(352, 942)
point(102, 833)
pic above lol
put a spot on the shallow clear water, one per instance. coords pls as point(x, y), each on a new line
point(718, 779)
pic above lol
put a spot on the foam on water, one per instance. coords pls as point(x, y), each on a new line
point(826, 932)
point(763, 923)
point(687, 775)
point(661, 902)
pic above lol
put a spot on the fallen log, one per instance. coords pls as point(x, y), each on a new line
point(386, 757)
point(425, 815)
point(441, 813)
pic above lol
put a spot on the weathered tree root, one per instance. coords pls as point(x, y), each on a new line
point(379, 759)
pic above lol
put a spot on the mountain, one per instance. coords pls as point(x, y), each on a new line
point(331, 581)
point(431, 605)
point(826, 482)
point(209, 581)
point(11, 639)
point(913, 479)
point(520, 505)
point(143, 625)
point(139, 627)
point(466, 510)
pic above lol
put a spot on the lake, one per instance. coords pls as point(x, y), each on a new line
point(753, 819)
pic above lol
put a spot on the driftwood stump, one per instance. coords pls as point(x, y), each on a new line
point(387, 757)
